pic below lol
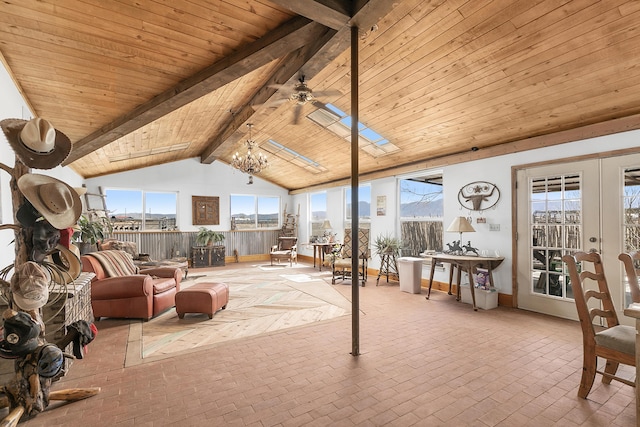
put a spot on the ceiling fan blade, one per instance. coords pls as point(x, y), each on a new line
point(328, 94)
point(271, 104)
point(296, 114)
point(277, 86)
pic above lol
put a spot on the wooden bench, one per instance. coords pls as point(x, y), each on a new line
point(204, 297)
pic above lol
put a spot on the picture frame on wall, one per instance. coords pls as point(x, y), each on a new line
point(205, 210)
point(381, 205)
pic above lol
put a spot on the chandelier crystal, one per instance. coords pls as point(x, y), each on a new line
point(250, 163)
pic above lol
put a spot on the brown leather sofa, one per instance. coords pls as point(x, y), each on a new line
point(131, 296)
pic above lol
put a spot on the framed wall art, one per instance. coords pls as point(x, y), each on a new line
point(205, 210)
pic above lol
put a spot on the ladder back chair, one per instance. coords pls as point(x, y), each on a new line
point(630, 260)
point(342, 265)
point(613, 342)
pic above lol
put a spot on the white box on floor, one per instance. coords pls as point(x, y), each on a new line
point(485, 300)
point(410, 274)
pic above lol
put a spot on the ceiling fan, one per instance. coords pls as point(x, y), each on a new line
point(302, 95)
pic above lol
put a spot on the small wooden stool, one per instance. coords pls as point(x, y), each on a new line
point(202, 297)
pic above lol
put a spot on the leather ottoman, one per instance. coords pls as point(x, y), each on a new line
point(202, 297)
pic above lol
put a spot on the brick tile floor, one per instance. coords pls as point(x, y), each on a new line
point(422, 363)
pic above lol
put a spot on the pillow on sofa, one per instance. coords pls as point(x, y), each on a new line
point(115, 263)
point(111, 244)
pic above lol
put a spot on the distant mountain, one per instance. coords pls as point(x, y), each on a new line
point(422, 209)
point(364, 208)
point(138, 216)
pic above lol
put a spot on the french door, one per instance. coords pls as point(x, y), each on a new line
point(590, 205)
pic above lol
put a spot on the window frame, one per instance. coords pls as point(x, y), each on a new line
point(255, 213)
point(347, 203)
point(320, 220)
point(143, 221)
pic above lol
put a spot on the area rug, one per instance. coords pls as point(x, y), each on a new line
point(260, 300)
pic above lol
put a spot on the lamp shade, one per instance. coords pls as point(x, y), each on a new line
point(326, 225)
point(460, 225)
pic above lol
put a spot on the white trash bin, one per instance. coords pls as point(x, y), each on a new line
point(410, 274)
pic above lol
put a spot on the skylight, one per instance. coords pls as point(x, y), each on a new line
point(337, 121)
point(292, 156)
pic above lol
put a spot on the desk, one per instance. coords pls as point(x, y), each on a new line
point(634, 311)
point(320, 248)
point(467, 263)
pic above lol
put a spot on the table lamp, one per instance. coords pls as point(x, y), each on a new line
point(460, 225)
point(326, 226)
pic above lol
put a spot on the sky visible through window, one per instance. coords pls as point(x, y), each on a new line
point(126, 202)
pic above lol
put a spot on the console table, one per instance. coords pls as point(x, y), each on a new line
point(320, 249)
point(468, 264)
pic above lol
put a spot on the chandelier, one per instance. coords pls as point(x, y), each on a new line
point(250, 164)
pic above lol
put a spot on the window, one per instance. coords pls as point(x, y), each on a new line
point(142, 210)
point(160, 211)
point(318, 210)
point(337, 121)
point(364, 205)
point(421, 214)
point(249, 212)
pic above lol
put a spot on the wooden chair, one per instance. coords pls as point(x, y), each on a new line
point(615, 342)
point(287, 249)
point(629, 260)
point(341, 265)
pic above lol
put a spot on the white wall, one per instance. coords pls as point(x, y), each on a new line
point(12, 106)
point(192, 178)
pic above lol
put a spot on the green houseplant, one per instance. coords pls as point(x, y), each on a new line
point(385, 244)
point(88, 233)
point(206, 237)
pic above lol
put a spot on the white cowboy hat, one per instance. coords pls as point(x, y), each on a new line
point(36, 142)
point(58, 202)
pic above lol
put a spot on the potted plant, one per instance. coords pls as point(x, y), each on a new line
point(388, 248)
point(206, 237)
point(88, 233)
point(385, 244)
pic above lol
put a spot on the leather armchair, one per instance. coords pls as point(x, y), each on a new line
point(136, 296)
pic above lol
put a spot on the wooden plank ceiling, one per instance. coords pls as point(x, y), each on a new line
point(139, 83)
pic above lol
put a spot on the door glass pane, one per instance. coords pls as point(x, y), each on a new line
point(631, 217)
point(555, 229)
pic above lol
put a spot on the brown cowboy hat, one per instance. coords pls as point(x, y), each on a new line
point(36, 142)
point(66, 265)
point(57, 201)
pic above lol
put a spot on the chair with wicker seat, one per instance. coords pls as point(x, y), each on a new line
point(287, 249)
point(342, 264)
point(615, 342)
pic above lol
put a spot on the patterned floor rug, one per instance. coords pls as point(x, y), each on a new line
point(261, 299)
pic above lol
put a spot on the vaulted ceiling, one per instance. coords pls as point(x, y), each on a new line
point(139, 83)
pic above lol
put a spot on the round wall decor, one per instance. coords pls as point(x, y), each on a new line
point(478, 195)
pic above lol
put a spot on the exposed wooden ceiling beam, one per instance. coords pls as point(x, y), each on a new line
point(286, 72)
point(312, 58)
point(330, 13)
point(291, 36)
